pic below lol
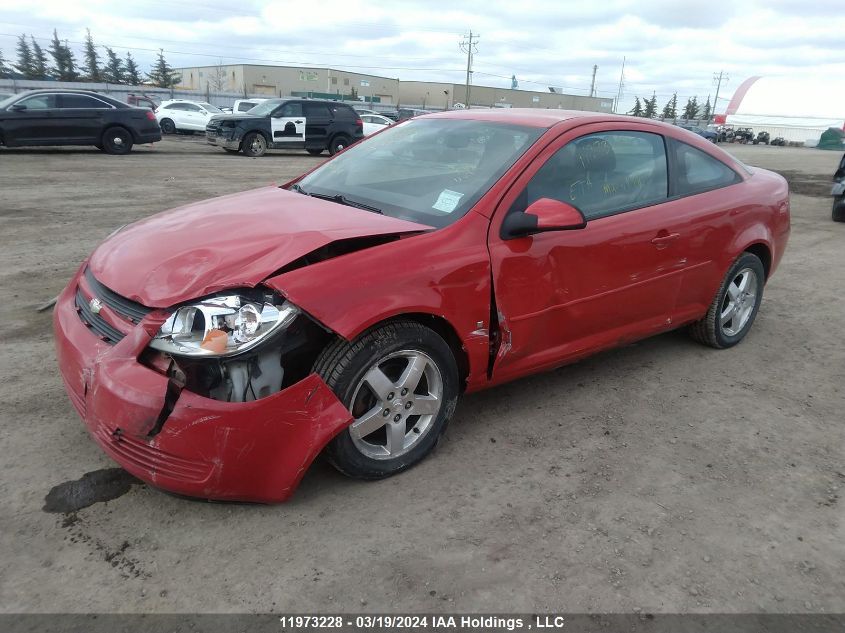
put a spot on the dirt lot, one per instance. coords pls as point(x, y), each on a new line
point(664, 476)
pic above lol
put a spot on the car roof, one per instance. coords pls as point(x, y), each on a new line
point(89, 93)
point(532, 117)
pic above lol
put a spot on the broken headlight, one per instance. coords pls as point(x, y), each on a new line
point(222, 326)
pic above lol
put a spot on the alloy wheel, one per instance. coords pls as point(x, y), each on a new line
point(395, 404)
point(738, 302)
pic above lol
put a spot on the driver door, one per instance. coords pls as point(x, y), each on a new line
point(32, 120)
point(287, 124)
point(561, 295)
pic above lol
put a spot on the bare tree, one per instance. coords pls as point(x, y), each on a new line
point(217, 78)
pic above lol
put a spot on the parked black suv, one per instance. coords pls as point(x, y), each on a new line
point(311, 124)
point(75, 117)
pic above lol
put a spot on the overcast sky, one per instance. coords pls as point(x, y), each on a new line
point(670, 45)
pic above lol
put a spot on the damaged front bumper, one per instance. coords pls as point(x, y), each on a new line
point(251, 451)
point(222, 141)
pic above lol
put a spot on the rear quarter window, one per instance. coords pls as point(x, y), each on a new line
point(697, 171)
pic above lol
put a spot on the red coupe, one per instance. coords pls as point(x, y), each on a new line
point(215, 350)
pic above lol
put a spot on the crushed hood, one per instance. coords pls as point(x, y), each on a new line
point(233, 241)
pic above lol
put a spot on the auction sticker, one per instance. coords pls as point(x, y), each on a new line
point(447, 201)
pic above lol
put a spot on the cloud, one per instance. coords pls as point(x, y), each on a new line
point(667, 46)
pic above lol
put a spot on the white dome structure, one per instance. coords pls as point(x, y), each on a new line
point(796, 109)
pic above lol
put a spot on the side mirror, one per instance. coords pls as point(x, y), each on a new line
point(542, 216)
point(18, 107)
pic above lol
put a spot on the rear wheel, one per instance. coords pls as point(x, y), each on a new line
point(400, 382)
point(735, 306)
point(838, 214)
point(254, 145)
point(339, 143)
point(167, 126)
point(117, 140)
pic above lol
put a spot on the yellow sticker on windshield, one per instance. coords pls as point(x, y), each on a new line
point(447, 201)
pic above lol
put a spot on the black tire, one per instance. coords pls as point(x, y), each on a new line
point(167, 126)
point(117, 140)
point(343, 366)
point(838, 213)
point(339, 142)
point(254, 145)
point(315, 151)
point(711, 330)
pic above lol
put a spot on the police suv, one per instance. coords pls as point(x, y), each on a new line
point(310, 124)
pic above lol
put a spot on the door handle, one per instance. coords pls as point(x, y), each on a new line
point(663, 239)
point(297, 121)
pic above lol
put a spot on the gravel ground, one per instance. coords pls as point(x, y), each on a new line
point(663, 476)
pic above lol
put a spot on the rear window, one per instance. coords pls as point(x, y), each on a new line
point(344, 112)
point(698, 171)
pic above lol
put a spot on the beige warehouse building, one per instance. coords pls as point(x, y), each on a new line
point(281, 81)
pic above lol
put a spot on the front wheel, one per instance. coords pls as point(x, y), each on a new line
point(117, 140)
point(735, 306)
point(254, 145)
point(400, 382)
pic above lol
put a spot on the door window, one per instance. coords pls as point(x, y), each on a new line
point(190, 107)
point(39, 102)
point(698, 171)
point(290, 110)
point(603, 174)
point(317, 111)
point(83, 101)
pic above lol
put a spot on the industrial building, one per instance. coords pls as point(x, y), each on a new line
point(797, 109)
point(254, 79)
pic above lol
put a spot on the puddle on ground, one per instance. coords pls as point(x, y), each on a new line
point(100, 485)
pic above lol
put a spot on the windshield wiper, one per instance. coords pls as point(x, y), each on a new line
point(341, 199)
point(295, 187)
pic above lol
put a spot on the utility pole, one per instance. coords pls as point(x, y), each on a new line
point(621, 84)
point(469, 45)
point(593, 84)
point(717, 79)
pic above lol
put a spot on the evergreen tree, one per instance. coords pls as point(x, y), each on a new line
point(113, 70)
point(161, 74)
point(706, 110)
point(70, 64)
point(691, 109)
point(64, 64)
point(24, 58)
point(92, 58)
point(39, 61)
point(670, 111)
point(650, 107)
point(637, 110)
point(4, 69)
point(131, 74)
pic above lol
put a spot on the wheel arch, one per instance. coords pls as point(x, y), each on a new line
point(763, 252)
point(440, 325)
point(114, 124)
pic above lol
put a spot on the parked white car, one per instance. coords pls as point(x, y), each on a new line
point(245, 105)
point(181, 115)
point(374, 123)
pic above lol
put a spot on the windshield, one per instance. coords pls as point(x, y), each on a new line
point(211, 108)
point(430, 171)
point(264, 109)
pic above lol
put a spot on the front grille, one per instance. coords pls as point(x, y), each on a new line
point(95, 322)
point(123, 307)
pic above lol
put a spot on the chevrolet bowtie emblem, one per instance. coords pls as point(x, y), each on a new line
point(95, 305)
